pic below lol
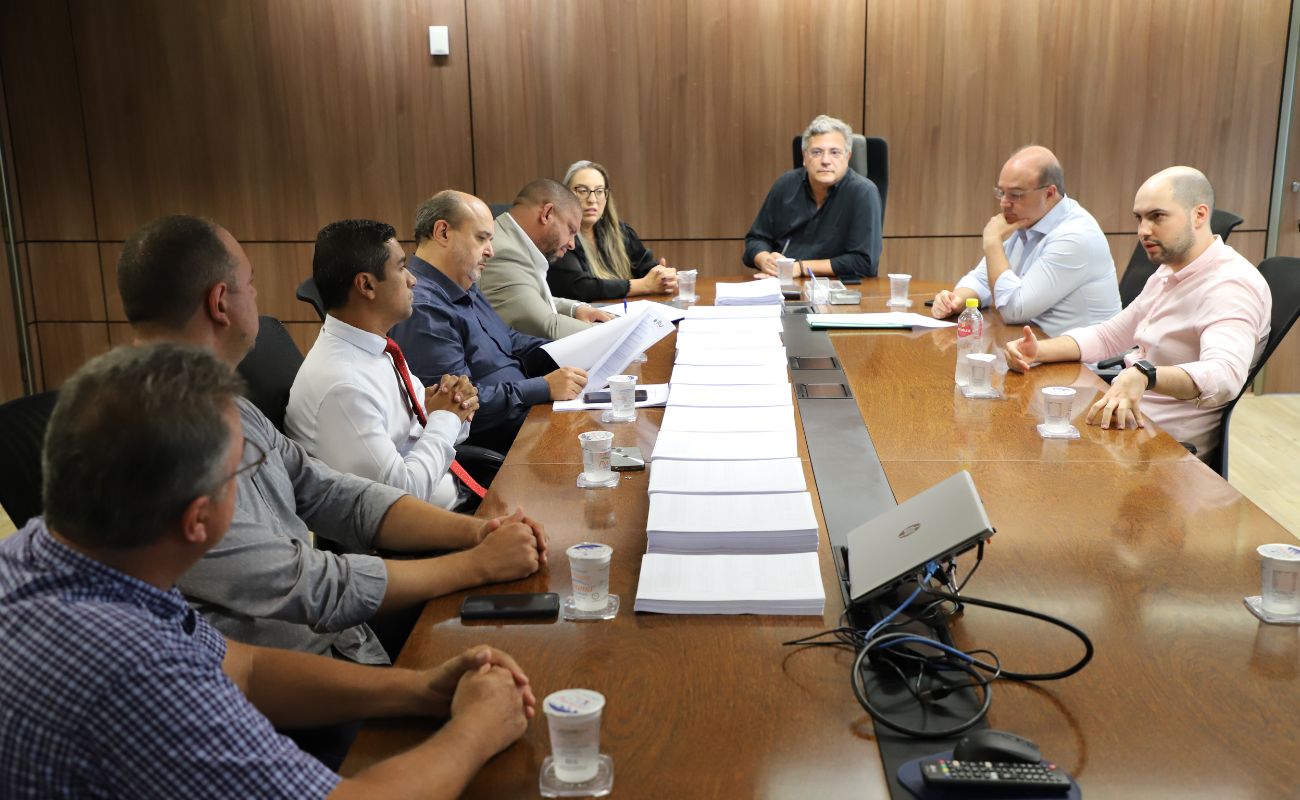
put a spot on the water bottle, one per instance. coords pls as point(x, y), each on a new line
point(970, 338)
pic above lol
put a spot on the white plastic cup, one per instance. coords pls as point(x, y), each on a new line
point(819, 291)
point(980, 367)
point(1058, 408)
point(596, 451)
point(686, 285)
point(589, 568)
point(573, 719)
point(622, 395)
point(898, 283)
point(785, 271)
point(1280, 579)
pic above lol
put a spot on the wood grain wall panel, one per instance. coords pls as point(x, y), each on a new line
point(1118, 89)
point(109, 252)
point(66, 282)
point(278, 268)
point(37, 57)
point(34, 342)
point(690, 105)
point(65, 346)
point(304, 334)
point(714, 258)
point(7, 153)
point(11, 370)
point(272, 118)
point(938, 258)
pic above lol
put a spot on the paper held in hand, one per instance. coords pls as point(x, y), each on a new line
point(606, 349)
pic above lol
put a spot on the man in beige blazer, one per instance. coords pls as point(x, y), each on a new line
point(537, 230)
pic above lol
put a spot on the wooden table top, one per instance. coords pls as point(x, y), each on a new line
point(1122, 533)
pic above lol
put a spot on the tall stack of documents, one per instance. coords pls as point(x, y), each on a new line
point(731, 528)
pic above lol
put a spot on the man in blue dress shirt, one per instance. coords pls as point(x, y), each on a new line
point(453, 330)
point(112, 686)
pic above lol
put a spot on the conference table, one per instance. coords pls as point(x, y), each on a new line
point(1123, 533)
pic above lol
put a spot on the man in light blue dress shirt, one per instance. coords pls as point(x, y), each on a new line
point(1046, 260)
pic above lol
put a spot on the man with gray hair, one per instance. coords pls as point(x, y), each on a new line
point(823, 215)
point(1046, 260)
point(112, 686)
point(453, 330)
point(1199, 324)
point(537, 230)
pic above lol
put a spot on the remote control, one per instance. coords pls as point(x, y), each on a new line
point(990, 777)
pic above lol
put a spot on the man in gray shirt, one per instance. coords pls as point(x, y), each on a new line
point(187, 280)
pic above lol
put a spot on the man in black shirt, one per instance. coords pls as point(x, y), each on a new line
point(821, 214)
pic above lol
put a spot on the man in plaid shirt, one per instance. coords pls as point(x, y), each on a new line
point(112, 686)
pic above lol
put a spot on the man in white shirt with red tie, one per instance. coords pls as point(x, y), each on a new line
point(354, 404)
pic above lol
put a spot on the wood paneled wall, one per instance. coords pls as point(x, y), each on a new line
point(274, 117)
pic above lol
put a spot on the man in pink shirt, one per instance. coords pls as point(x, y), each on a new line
point(1199, 324)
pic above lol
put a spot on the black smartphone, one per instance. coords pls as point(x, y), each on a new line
point(603, 397)
point(626, 459)
point(851, 280)
point(929, 304)
point(539, 605)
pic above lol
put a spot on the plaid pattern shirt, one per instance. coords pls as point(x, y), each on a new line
point(110, 687)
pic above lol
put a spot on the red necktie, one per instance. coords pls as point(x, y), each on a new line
point(399, 361)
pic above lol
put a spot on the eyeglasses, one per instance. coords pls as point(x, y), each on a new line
point(253, 459)
point(1016, 195)
point(583, 191)
point(817, 152)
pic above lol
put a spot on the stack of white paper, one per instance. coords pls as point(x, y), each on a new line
point(689, 394)
point(728, 341)
point(742, 325)
point(749, 293)
point(755, 419)
point(727, 477)
point(732, 312)
point(737, 357)
point(729, 375)
point(606, 349)
point(669, 313)
point(772, 584)
point(712, 524)
point(725, 446)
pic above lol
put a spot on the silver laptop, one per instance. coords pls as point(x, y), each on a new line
point(944, 520)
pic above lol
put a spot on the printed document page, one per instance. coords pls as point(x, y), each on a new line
point(727, 477)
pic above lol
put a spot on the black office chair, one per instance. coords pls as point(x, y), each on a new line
point(1140, 269)
point(269, 369)
point(309, 294)
point(869, 158)
point(1283, 276)
point(22, 436)
point(498, 209)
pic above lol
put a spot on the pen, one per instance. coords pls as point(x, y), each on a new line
point(625, 306)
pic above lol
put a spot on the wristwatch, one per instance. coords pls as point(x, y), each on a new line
point(1148, 369)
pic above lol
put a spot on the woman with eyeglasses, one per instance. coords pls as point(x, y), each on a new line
point(609, 260)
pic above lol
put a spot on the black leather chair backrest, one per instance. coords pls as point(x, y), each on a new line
point(870, 158)
point(269, 369)
point(22, 436)
point(1282, 273)
point(1140, 269)
point(498, 209)
point(309, 294)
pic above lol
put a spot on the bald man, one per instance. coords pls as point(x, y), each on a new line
point(1046, 260)
point(1199, 324)
point(453, 330)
